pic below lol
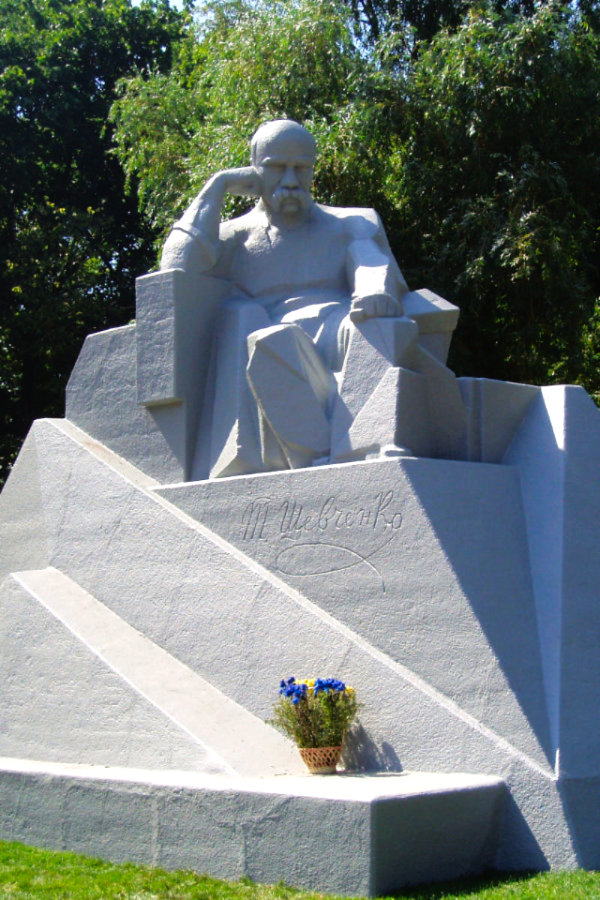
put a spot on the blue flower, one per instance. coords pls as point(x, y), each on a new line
point(296, 692)
point(325, 685)
point(285, 686)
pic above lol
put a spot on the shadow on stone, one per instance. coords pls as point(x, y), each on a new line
point(515, 833)
point(489, 527)
point(362, 754)
point(581, 799)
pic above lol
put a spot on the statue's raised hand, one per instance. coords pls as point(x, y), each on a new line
point(243, 182)
point(373, 306)
point(201, 219)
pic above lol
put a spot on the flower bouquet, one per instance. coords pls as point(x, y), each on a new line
point(316, 713)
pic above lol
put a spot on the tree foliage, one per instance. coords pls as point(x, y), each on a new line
point(500, 166)
point(71, 242)
point(373, 19)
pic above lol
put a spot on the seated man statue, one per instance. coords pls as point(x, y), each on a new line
point(299, 275)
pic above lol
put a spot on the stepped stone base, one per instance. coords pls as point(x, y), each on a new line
point(144, 627)
point(364, 835)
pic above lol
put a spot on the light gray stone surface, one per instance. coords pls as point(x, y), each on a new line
point(60, 701)
point(395, 397)
point(175, 316)
point(227, 617)
point(99, 691)
point(101, 398)
point(229, 443)
point(347, 835)
point(436, 319)
point(557, 450)
point(495, 410)
point(352, 539)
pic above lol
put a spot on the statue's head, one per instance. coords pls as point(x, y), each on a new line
point(284, 153)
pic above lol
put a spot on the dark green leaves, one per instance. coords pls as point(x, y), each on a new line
point(71, 243)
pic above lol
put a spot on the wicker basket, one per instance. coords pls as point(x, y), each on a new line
point(321, 760)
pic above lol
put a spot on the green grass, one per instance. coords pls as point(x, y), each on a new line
point(26, 872)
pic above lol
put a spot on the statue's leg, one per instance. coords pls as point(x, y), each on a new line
point(293, 391)
point(321, 321)
point(395, 398)
point(234, 434)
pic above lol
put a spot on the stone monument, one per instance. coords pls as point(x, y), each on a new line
point(273, 472)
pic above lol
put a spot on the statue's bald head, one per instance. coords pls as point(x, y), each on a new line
point(278, 132)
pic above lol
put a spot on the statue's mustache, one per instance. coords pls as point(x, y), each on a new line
point(300, 196)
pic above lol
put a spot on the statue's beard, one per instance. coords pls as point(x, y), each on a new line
point(290, 200)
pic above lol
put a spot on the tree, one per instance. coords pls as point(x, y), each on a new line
point(499, 165)
point(423, 19)
point(71, 242)
point(375, 18)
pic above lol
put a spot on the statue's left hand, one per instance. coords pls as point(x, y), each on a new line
point(373, 306)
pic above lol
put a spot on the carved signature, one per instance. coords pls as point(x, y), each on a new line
point(332, 526)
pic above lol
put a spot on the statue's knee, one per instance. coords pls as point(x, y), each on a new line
point(287, 342)
point(285, 348)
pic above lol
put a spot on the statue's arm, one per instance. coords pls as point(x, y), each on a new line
point(376, 281)
point(194, 238)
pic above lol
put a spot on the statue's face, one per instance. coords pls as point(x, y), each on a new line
point(286, 165)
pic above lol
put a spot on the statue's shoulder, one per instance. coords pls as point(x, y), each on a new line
point(358, 222)
point(238, 226)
